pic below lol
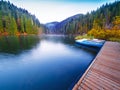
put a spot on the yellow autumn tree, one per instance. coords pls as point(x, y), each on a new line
point(109, 34)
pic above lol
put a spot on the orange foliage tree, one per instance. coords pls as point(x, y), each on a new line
point(108, 34)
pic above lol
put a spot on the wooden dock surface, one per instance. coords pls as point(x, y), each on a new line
point(104, 72)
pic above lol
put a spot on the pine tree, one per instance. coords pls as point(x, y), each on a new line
point(1, 23)
point(29, 27)
point(14, 20)
point(12, 26)
point(22, 25)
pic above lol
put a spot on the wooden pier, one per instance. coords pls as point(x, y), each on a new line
point(104, 71)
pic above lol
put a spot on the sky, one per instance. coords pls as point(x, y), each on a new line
point(58, 10)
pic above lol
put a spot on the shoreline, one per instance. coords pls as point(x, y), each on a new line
point(80, 76)
point(97, 60)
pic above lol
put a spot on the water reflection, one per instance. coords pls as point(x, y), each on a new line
point(16, 44)
point(50, 63)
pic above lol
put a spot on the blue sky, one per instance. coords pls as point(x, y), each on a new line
point(58, 10)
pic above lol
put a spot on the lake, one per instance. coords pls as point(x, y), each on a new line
point(51, 62)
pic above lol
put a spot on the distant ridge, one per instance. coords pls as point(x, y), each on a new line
point(81, 24)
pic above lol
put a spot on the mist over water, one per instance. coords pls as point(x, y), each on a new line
point(41, 62)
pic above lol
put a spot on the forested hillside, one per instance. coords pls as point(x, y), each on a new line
point(16, 21)
point(105, 18)
point(51, 28)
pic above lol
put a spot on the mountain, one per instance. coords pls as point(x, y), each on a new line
point(102, 18)
point(60, 27)
point(51, 27)
point(14, 20)
point(65, 25)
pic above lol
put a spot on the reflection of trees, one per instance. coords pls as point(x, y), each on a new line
point(16, 44)
point(59, 38)
point(70, 41)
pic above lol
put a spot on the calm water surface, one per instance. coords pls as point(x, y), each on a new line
point(41, 63)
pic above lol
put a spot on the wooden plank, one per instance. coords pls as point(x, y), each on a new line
point(91, 84)
point(104, 71)
point(100, 82)
point(103, 74)
point(106, 81)
point(110, 64)
point(113, 72)
point(85, 86)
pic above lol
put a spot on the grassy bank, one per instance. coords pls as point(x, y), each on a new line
point(84, 36)
point(92, 37)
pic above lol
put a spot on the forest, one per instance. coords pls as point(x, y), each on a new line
point(103, 23)
point(17, 21)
